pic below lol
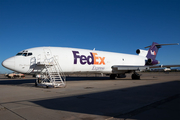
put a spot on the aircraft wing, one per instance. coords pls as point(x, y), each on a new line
point(164, 66)
point(122, 67)
point(138, 68)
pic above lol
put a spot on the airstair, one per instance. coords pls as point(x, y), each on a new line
point(53, 75)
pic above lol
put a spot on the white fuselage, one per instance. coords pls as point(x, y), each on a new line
point(71, 60)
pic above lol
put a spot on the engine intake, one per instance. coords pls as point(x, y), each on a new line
point(149, 61)
point(141, 52)
point(138, 51)
point(152, 62)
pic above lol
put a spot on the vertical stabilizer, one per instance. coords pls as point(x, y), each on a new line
point(152, 53)
point(153, 50)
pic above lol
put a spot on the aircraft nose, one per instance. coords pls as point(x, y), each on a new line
point(9, 63)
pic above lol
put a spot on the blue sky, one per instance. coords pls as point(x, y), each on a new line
point(107, 25)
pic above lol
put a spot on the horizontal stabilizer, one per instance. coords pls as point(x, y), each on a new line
point(159, 45)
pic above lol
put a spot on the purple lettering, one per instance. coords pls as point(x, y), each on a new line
point(83, 59)
point(75, 56)
point(90, 59)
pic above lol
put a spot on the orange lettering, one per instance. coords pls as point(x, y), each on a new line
point(102, 60)
point(95, 58)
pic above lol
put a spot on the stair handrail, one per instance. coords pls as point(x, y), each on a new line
point(55, 67)
point(60, 71)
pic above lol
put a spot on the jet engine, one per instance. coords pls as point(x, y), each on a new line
point(152, 62)
point(149, 61)
point(141, 52)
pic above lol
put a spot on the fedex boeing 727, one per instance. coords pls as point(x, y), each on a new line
point(49, 60)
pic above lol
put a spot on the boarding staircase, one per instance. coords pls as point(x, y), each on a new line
point(32, 65)
point(53, 76)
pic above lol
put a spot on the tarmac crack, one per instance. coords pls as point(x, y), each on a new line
point(13, 112)
point(2, 108)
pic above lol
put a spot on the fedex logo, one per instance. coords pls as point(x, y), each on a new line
point(91, 59)
point(153, 52)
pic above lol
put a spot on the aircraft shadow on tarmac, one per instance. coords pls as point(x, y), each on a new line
point(112, 103)
point(86, 78)
point(103, 78)
point(18, 82)
point(30, 82)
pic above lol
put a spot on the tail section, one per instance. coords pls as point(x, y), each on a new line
point(152, 53)
point(153, 50)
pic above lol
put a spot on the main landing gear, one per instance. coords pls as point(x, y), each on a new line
point(113, 76)
point(135, 76)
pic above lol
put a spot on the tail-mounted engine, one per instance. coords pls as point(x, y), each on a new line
point(141, 52)
point(152, 62)
point(144, 53)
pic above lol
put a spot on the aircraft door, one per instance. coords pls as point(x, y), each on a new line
point(47, 53)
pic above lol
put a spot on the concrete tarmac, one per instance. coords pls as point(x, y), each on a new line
point(155, 97)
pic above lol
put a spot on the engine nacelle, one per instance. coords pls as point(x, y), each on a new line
point(138, 51)
point(144, 54)
point(149, 61)
point(141, 52)
point(152, 62)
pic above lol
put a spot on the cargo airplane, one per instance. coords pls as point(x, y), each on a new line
point(73, 60)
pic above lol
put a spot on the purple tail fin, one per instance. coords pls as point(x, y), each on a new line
point(152, 53)
point(153, 50)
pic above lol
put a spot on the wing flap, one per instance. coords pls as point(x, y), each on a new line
point(139, 68)
point(163, 66)
point(121, 67)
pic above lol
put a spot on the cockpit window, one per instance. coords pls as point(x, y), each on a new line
point(19, 54)
point(29, 54)
point(24, 54)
